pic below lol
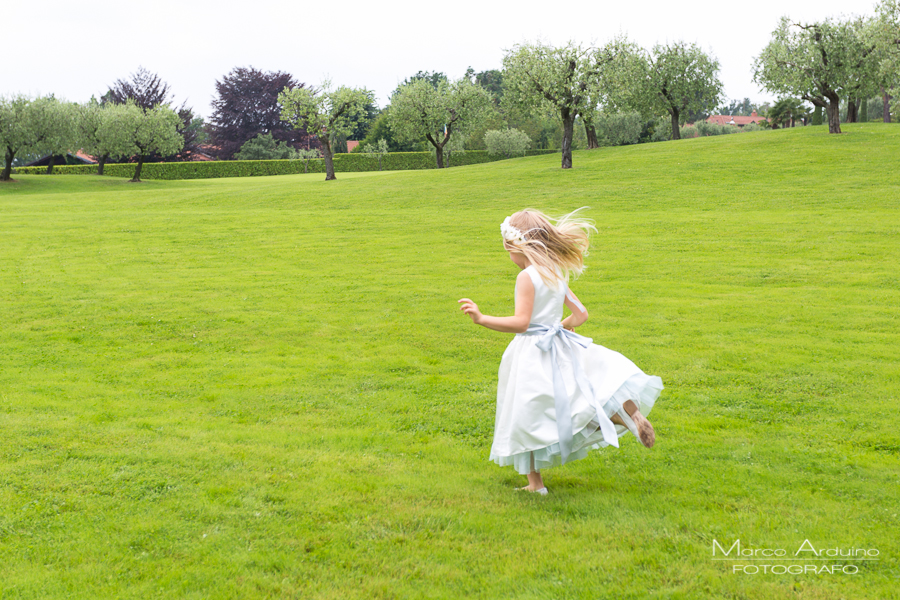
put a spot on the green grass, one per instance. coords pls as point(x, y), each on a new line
point(262, 387)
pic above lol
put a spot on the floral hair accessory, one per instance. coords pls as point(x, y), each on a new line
point(511, 233)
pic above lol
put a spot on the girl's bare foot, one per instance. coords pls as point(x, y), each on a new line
point(535, 484)
point(541, 490)
point(639, 426)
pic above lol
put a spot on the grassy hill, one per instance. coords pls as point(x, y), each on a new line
point(262, 387)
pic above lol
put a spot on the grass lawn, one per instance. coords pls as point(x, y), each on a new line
point(262, 387)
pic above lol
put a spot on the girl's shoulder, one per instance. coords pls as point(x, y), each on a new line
point(532, 273)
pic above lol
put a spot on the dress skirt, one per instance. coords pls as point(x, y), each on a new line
point(526, 434)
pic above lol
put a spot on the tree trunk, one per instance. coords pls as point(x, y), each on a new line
point(887, 105)
point(102, 164)
point(50, 164)
point(676, 130)
point(591, 132)
point(306, 167)
point(329, 157)
point(834, 116)
point(864, 110)
point(851, 110)
point(137, 171)
point(439, 155)
point(568, 132)
point(7, 169)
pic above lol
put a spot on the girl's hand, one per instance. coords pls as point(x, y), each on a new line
point(471, 309)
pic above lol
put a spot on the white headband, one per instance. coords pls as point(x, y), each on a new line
point(511, 233)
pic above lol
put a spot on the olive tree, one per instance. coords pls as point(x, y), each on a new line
point(564, 80)
point(101, 131)
point(326, 113)
point(144, 131)
point(54, 128)
point(678, 79)
point(40, 126)
point(886, 28)
point(818, 62)
point(437, 110)
point(15, 137)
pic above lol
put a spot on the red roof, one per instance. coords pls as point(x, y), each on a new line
point(87, 158)
point(735, 120)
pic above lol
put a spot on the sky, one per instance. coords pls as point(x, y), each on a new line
point(76, 51)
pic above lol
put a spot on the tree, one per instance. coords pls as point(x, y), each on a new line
point(15, 136)
point(53, 127)
point(145, 89)
point(378, 149)
point(264, 147)
point(101, 131)
point(145, 131)
point(381, 129)
point(419, 109)
point(817, 62)
point(738, 108)
point(246, 106)
point(492, 81)
point(786, 112)
point(432, 77)
point(327, 112)
point(40, 126)
point(507, 142)
point(305, 155)
point(563, 80)
point(679, 79)
point(886, 33)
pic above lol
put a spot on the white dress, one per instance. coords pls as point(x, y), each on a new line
point(527, 434)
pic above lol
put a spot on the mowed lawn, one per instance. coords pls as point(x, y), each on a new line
point(263, 388)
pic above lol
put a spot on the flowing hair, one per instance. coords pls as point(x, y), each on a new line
point(555, 250)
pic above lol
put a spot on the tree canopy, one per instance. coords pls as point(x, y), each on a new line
point(564, 80)
point(41, 126)
point(420, 109)
point(145, 89)
point(328, 112)
point(247, 105)
point(817, 62)
point(678, 79)
point(144, 131)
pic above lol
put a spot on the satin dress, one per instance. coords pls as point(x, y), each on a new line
point(549, 370)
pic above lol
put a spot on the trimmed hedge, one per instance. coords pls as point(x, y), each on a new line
point(343, 163)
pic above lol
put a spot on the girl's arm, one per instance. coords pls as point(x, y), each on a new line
point(524, 307)
point(579, 312)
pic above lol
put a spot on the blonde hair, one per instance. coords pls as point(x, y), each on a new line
point(556, 251)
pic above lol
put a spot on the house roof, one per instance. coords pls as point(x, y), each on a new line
point(735, 119)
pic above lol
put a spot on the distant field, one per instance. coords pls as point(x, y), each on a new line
point(262, 387)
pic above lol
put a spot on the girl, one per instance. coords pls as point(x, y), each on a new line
point(559, 394)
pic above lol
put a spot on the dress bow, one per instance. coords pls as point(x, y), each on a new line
point(554, 339)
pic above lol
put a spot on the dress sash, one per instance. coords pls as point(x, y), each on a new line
point(555, 339)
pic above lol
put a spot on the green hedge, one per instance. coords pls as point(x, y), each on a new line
point(343, 163)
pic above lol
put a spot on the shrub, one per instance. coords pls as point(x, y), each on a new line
point(265, 147)
point(507, 142)
point(346, 163)
point(705, 129)
point(662, 130)
point(688, 132)
point(618, 129)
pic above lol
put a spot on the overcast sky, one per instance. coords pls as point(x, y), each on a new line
point(78, 50)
